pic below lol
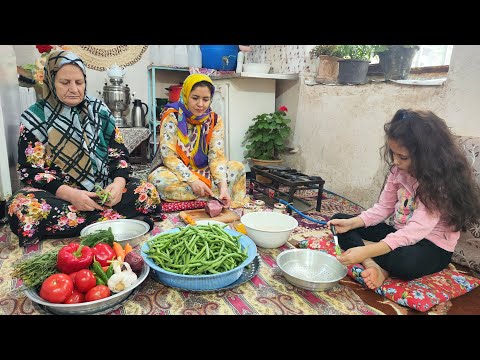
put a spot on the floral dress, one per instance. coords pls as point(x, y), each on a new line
point(34, 212)
point(173, 177)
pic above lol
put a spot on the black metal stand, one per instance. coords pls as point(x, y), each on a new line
point(290, 178)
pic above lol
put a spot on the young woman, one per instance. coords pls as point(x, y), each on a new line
point(190, 161)
point(68, 144)
point(431, 195)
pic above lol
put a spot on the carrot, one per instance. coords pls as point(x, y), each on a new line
point(127, 248)
point(105, 268)
point(119, 250)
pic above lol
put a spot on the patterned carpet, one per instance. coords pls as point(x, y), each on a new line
point(266, 293)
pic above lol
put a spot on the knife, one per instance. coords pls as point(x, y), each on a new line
point(216, 198)
point(338, 251)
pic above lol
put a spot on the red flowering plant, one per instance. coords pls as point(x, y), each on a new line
point(266, 138)
point(37, 69)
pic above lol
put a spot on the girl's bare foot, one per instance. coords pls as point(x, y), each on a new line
point(373, 274)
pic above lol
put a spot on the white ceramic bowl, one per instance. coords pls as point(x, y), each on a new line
point(269, 229)
point(256, 68)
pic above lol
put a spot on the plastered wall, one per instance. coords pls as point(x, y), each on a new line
point(338, 129)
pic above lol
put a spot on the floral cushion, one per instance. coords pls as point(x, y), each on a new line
point(467, 251)
point(420, 294)
point(182, 205)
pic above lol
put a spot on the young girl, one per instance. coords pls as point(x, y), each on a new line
point(431, 193)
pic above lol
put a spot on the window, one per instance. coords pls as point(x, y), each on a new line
point(432, 55)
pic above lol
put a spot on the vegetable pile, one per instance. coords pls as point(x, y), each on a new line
point(103, 195)
point(80, 272)
point(197, 250)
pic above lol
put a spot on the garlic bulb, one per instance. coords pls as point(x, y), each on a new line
point(121, 280)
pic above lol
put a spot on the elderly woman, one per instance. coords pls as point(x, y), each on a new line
point(68, 148)
point(190, 161)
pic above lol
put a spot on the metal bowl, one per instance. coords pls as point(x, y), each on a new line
point(90, 307)
point(311, 269)
point(124, 231)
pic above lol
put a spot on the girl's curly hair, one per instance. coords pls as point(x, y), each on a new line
point(446, 182)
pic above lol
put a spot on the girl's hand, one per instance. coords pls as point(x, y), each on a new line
point(354, 255)
point(341, 225)
point(116, 191)
point(344, 225)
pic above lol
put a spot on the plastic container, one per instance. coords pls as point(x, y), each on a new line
point(166, 56)
point(181, 56)
point(154, 54)
point(194, 56)
point(219, 57)
point(201, 282)
point(257, 68)
point(240, 58)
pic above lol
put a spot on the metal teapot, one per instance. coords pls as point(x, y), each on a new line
point(138, 113)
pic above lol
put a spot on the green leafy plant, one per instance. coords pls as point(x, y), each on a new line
point(381, 48)
point(330, 50)
point(265, 138)
point(356, 52)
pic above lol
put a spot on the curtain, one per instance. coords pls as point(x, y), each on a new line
point(9, 121)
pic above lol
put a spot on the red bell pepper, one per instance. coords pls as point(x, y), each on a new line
point(74, 257)
point(103, 253)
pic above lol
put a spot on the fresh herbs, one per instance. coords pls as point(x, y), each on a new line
point(99, 236)
point(102, 194)
point(35, 269)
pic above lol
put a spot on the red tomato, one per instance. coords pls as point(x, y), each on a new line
point(85, 280)
point(75, 298)
point(56, 288)
point(97, 292)
point(72, 276)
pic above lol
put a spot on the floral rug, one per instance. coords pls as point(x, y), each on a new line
point(266, 293)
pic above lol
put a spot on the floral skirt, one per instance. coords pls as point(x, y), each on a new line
point(35, 214)
point(172, 189)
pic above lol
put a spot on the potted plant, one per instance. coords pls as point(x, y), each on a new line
point(353, 68)
point(266, 138)
point(396, 60)
point(328, 56)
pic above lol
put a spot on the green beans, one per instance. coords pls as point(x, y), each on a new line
point(197, 250)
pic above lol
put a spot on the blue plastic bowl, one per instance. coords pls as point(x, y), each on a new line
point(219, 57)
point(202, 282)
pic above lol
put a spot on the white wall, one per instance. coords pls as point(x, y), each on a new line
point(339, 129)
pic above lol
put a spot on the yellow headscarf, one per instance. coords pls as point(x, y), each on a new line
point(188, 85)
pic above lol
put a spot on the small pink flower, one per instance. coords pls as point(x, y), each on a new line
point(283, 108)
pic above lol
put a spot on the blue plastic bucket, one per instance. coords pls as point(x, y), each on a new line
point(219, 57)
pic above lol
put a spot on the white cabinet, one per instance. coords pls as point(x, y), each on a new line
point(238, 99)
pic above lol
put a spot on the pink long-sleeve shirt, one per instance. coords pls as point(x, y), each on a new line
point(411, 218)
